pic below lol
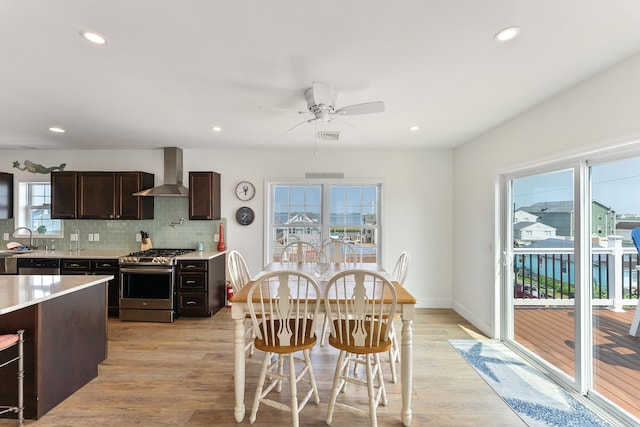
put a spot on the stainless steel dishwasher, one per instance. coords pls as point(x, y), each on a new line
point(38, 266)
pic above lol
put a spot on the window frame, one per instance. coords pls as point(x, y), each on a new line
point(23, 217)
point(325, 210)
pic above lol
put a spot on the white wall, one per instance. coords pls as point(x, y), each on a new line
point(417, 196)
point(600, 112)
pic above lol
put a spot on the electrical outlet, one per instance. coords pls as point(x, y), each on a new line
point(73, 237)
point(216, 237)
point(90, 237)
point(96, 237)
point(138, 237)
point(6, 236)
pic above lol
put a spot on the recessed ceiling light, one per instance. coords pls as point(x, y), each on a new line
point(94, 38)
point(507, 34)
point(414, 128)
point(57, 130)
point(216, 128)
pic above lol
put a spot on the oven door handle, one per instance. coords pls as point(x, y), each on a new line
point(143, 270)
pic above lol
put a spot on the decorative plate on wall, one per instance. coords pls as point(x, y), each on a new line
point(245, 190)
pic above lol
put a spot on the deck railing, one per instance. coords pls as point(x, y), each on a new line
point(546, 276)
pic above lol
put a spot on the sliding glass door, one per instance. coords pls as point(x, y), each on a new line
point(615, 202)
point(571, 276)
point(543, 260)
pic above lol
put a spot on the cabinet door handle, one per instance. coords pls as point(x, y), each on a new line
point(74, 265)
point(190, 282)
point(191, 302)
point(190, 266)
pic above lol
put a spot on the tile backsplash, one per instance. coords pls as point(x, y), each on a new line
point(121, 234)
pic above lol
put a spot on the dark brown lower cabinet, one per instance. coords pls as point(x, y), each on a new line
point(101, 267)
point(200, 286)
point(65, 341)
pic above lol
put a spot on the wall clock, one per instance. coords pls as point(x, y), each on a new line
point(245, 190)
point(245, 215)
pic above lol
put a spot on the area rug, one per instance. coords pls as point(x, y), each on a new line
point(533, 396)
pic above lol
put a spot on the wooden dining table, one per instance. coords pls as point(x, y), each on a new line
point(405, 307)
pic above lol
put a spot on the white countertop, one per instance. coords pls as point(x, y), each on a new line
point(107, 254)
point(200, 255)
point(82, 253)
point(18, 292)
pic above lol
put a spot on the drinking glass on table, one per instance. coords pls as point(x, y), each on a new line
point(322, 265)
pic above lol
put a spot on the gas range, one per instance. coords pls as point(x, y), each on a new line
point(153, 257)
point(147, 289)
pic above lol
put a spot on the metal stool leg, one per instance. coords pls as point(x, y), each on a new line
point(19, 409)
point(21, 378)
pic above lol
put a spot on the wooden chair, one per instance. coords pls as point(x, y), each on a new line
point(401, 268)
point(239, 276)
point(8, 341)
point(337, 251)
point(299, 252)
point(238, 271)
point(284, 308)
point(359, 326)
point(398, 275)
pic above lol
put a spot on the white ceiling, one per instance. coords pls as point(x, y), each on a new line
point(172, 69)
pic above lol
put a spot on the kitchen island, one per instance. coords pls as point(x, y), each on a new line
point(65, 323)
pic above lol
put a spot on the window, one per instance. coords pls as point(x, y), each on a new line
point(34, 211)
point(317, 212)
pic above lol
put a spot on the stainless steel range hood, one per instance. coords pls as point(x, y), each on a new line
point(172, 176)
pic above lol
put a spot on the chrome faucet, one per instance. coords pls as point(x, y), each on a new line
point(30, 235)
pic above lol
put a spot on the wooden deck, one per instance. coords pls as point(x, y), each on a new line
point(549, 332)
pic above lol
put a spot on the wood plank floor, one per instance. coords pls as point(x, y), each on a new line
point(180, 374)
point(549, 332)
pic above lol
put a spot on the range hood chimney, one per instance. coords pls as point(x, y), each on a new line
point(172, 176)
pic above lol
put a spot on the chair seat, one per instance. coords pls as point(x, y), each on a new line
point(304, 341)
point(341, 342)
point(7, 340)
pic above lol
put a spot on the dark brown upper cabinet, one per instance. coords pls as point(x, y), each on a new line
point(64, 195)
point(6, 195)
point(133, 207)
point(204, 195)
point(109, 195)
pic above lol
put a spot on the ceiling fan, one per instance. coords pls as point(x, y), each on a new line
point(321, 104)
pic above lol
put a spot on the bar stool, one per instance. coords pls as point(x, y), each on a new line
point(7, 341)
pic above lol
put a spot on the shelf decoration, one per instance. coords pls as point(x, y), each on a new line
point(221, 245)
point(29, 166)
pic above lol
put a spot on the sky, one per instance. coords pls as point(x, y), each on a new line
point(615, 185)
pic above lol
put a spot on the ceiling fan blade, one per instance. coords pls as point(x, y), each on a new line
point(301, 123)
point(322, 93)
point(365, 108)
